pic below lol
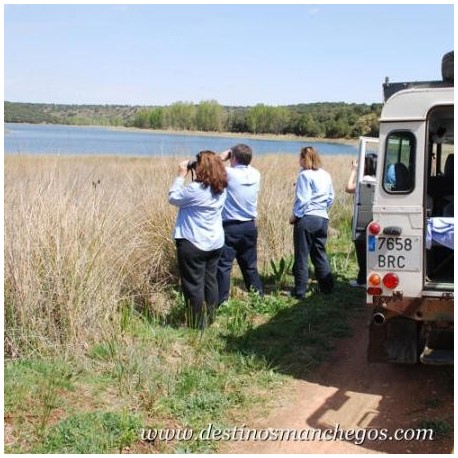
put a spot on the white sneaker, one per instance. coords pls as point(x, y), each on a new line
point(355, 284)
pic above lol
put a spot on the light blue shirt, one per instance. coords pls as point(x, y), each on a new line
point(242, 193)
point(390, 175)
point(314, 193)
point(199, 215)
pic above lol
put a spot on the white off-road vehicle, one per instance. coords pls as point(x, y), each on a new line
point(407, 220)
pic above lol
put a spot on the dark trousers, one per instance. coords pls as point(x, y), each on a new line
point(310, 236)
point(240, 243)
point(198, 280)
point(360, 249)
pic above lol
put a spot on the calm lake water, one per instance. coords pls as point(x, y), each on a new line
point(76, 140)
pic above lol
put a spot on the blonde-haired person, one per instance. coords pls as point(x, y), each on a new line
point(199, 234)
point(314, 195)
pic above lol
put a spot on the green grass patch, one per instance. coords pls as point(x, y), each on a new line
point(92, 432)
point(154, 372)
point(294, 337)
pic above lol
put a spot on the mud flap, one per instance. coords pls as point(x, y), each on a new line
point(394, 341)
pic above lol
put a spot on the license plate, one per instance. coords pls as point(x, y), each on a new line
point(394, 253)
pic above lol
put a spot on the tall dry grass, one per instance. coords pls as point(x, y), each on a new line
point(83, 236)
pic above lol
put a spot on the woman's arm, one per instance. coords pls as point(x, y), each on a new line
point(351, 183)
point(302, 197)
point(179, 195)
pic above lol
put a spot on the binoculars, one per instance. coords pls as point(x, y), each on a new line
point(193, 164)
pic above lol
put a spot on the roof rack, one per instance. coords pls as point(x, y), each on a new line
point(391, 88)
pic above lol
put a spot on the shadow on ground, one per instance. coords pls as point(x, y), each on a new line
point(300, 337)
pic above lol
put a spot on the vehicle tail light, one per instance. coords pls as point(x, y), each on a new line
point(374, 291)
point(374, 228)
point(391, 280)
point(374, 282)
point(374, 279)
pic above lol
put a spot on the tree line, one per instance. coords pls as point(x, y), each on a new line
point(327, 120)
point(320, 120)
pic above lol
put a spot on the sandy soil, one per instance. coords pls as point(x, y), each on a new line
point(352, 393)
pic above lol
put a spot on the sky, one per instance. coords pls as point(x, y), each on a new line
point(235, 54)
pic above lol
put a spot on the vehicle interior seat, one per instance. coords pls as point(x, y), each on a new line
point(447, 188)
point(449, 164)
point(402, 177)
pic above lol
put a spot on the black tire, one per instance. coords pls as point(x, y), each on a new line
point(447, 67)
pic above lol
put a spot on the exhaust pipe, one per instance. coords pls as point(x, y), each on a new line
point(378, 318)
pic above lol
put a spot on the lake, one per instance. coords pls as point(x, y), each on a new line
point(81, 140)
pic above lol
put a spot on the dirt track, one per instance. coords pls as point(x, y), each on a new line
point(352, 393)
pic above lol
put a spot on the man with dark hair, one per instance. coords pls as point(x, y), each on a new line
point(239, 221)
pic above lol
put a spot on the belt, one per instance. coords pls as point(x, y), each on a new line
point(236, 221)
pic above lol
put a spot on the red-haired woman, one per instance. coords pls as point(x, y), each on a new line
point(199, 234)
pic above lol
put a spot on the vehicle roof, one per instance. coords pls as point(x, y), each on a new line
point(415, 103)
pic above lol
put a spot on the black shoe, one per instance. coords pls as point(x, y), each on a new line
point(326, 284)
point(297, 296)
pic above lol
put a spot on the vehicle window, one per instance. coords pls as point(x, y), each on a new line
point(399, 168)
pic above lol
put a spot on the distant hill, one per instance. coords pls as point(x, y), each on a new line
point(35, 113)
